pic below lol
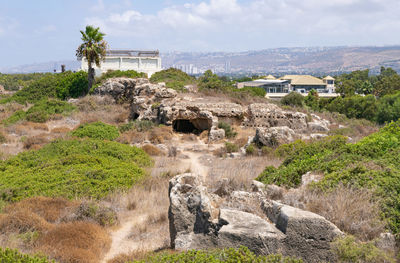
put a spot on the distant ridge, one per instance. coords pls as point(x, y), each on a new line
point(311, 60)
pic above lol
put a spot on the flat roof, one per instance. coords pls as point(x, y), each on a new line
point(132, 53)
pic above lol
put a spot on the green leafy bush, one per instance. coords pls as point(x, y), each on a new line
point(251, 149)
point(42, 111)
point(174, 78)
point(97, 130)
point(253, 91)
point(16, 81)
point(348, 249)
point(229, 132)
point(72, 168)
point(293, 99)
point(12, 256)
point(62, 86)
point(242, 254)
point(372, 163)
point(231, 147)
point(120, 73)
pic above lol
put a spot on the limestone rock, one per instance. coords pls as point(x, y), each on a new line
point(195, 223)
point(274, 136)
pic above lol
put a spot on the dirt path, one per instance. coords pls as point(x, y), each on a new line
point(120, 237)
point(121, 241)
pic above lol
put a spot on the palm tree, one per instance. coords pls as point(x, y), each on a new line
point(93, 49)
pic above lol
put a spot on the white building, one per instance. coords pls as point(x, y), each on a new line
point(148, 62)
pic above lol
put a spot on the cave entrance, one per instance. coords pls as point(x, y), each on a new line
point(191, 126)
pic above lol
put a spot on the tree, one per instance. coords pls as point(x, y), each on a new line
point(93, 49)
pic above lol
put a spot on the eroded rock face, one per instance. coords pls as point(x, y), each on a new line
point(196, 222)
point(157, 103)
point(274, 136)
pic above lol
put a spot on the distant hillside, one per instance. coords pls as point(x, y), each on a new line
point(315, 60)
point(296, 60)
point(43, 67)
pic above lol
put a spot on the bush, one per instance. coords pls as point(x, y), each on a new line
point(251, 149)
point(370, 163)
point(241, 254)
point(253, 91)
point(388, 108)
point(293, 99)
point(120, 73)
point(72, 168)
point(42, 111)
point(229, 132)
point(97, 130)
point(62, 86)
point(231, 147)
point(173, 78)
point(151, 150)
point(12, 256)
point(348, 249)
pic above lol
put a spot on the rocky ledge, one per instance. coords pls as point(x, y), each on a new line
point(199, 219)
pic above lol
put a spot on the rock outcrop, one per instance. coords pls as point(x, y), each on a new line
point(156, 102)
point(197, 222)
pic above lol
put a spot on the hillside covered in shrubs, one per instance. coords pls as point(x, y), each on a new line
point(371, 163)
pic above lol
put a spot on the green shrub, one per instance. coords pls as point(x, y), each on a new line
point(42, 111)
point(242, 254)
point(253, 91)
point(372, 163)
point(348, 249)
point(62, 86)
point(388, 108)
point(12, 256)
point(120, 73)
point(16, 81)
point(251, 149)
point(174, 78)
point(97, 130)
point(231, 147)
point(293, 99)
point(72, 168)
point(229, 132)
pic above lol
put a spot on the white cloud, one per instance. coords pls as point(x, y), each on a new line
point(227, 23)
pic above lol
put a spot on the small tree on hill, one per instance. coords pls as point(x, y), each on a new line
point(93, 48)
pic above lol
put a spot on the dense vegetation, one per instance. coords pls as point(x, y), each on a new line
point(118, 74)
point(72, 168)
point(16, 81)
point(372, 162)
point(42, 111)
point(173, 78)
point(62, 86)
point(13, 256)
point(243, 255)
point(97, 130)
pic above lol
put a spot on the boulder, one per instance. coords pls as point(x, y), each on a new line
point(196, 223)
point(274, 136)
point(308, 235)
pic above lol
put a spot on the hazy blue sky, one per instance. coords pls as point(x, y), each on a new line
point(43, 30)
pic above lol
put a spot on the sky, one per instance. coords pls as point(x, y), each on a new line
point(33, 31)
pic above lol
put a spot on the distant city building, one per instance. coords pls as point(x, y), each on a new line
point(288, 83)
point(148, 62)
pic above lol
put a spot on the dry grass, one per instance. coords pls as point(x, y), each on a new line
point(161, 134)
point(100, 108)
point(35, 126)
point(168, 166)
point(240, 172)
point(50, 209)
point(22, 221)
point(75, 242)
point(353, 211)
point(6, 110)
point(132, 137)
point(152, 150)
point(61, 130)
point(33, 225)
point(36, 142)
